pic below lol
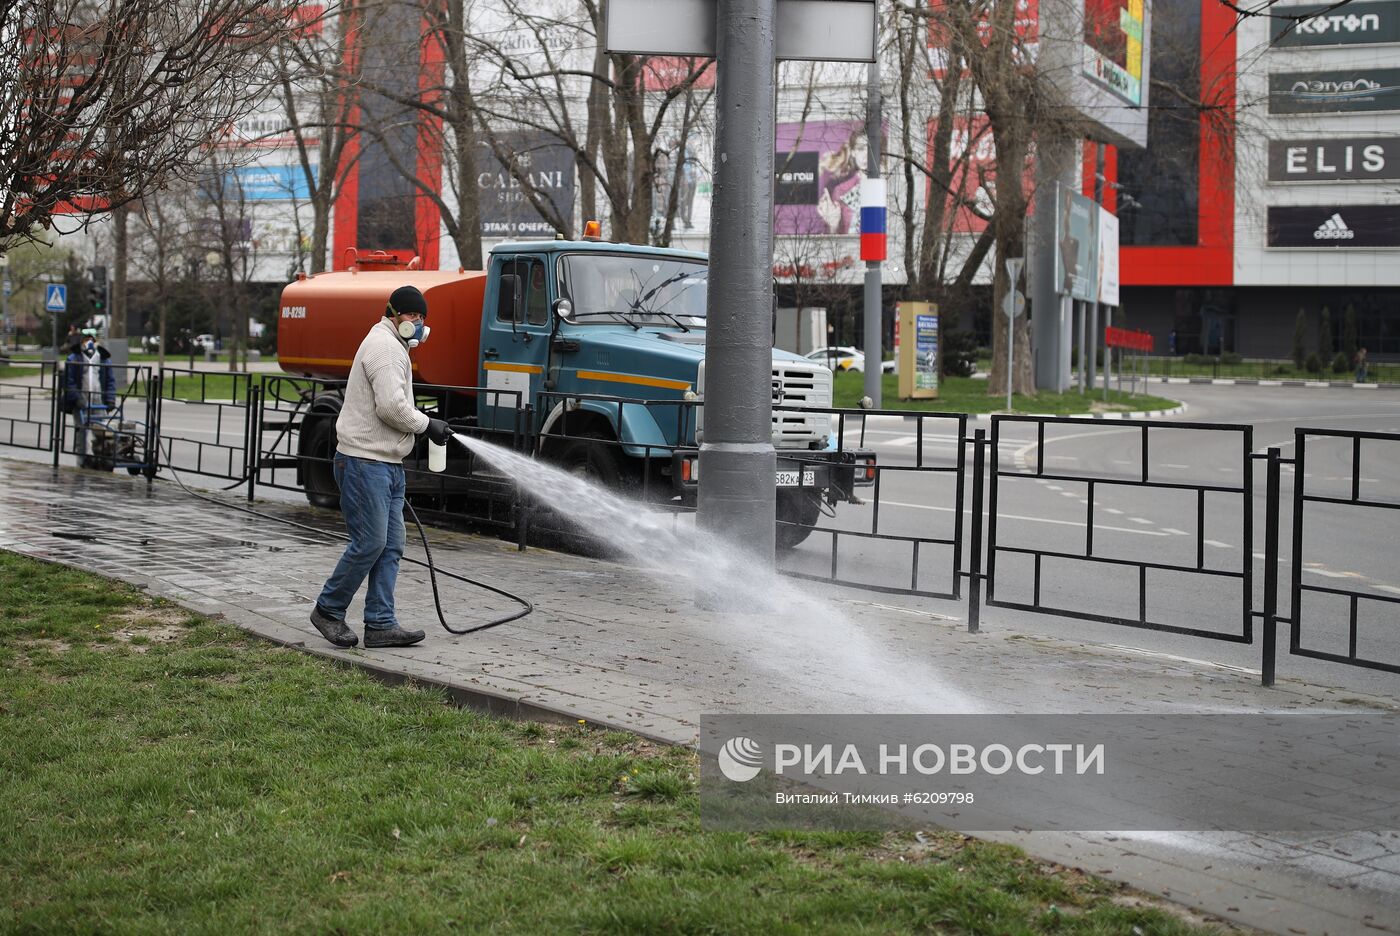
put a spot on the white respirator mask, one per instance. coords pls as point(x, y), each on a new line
point(415, 333)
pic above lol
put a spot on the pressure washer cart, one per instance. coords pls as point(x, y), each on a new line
point(114, 442)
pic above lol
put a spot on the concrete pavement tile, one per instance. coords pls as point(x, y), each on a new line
point(1386, 882)
point(1390, 862)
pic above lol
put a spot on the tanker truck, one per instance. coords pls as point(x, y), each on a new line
point(546, 320)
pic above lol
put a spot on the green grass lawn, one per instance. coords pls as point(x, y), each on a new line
point(161, 772)
point(965, 395)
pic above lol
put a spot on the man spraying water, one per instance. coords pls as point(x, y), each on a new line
point(375, 431)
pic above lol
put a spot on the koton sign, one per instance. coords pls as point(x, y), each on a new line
point(1325, 160)
point(1333, 24)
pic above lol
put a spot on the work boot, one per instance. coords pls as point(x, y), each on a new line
point(331, 629)
point(394, 636)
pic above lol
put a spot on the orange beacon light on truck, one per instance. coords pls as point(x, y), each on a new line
point(592, 231)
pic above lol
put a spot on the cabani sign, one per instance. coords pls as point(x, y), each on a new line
point(1334, 226)
point(1352, 24)
point(1325, 160)
point(1361, 89)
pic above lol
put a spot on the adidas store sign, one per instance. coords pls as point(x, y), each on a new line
point(1334, 226)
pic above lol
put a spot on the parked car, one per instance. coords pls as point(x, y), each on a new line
point(204, 343)
point(839, 358)
point(846, 359)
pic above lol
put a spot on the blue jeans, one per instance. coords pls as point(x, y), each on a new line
point(371, 498)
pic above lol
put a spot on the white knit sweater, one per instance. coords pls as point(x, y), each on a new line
point(378, 420)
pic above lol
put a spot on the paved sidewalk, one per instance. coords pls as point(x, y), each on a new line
point(611, 645)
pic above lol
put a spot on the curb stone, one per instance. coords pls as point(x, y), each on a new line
point(1266, 382)
point(889, 419)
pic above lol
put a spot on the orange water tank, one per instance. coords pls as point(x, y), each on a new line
point(323, 319)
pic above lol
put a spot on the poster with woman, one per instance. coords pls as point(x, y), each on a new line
point(817, 172)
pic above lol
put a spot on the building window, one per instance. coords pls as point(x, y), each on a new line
point(1159, 186)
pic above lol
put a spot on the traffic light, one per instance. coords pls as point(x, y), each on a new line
point(97, 292)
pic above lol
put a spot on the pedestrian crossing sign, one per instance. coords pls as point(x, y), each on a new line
point(56, 297)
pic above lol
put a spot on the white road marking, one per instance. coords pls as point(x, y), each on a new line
point(1002, 516)
point(1174, 531)
point(1171, 465)
point(1054, 487)
point(1328, 573)
point(1389, 588)
point(1073, 458)
point(1217, 544)
point(1141, 520)
point(1068, 494)
point(1113, 511)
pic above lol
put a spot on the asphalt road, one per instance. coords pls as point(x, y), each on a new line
point(1348, 547)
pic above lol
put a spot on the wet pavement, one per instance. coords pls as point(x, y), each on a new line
point(611, 645)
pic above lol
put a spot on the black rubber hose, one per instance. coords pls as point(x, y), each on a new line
point(526, 606)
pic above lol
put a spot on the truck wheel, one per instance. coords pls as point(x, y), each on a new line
point(591, 457)
point(317, 472)
point(801, 510)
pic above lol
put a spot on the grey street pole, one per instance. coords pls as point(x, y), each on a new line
point(874, 316)
point(1081, 315)
point(1050, 333)
point(1094, 306)
point(738, 497)
point(1010, 357)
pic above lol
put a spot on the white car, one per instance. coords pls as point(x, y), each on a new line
point(839, 358)
point(846, 359)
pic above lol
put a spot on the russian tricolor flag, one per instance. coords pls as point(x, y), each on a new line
point(872, 219)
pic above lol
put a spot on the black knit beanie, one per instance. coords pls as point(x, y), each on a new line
point(406, 300)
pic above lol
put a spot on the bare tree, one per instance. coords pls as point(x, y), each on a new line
point(104, 103)
point(318, 85)
point(632, 107)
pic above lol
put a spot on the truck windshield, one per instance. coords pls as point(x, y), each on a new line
point(637, 290)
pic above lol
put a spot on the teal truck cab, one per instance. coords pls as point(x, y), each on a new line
point(595, 350)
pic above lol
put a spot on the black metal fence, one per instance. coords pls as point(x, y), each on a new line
point(1365, 503)
point(27, 404)
point(1174, 578)
point(912, 537)
point(904, 532)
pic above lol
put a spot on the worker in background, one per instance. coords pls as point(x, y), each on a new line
point(374, 432)
point(89, 389)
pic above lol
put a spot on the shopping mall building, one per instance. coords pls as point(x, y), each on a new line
point(1225, 244)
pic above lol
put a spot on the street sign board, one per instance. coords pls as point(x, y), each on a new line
point(55, 297)
point(1013, 304)
point(1014, 266)
point(807, 30)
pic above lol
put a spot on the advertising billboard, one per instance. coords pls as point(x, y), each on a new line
point(1025, 25)
point(1331, 24)
point(271, 183)
point(1113, 48)
point(1335, 91)
point(1328, 159)
point(1076, 245)
point(818, 165)
point(1334, 226)
point(547, 168)
point(1108, 258)
point(973, 158)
